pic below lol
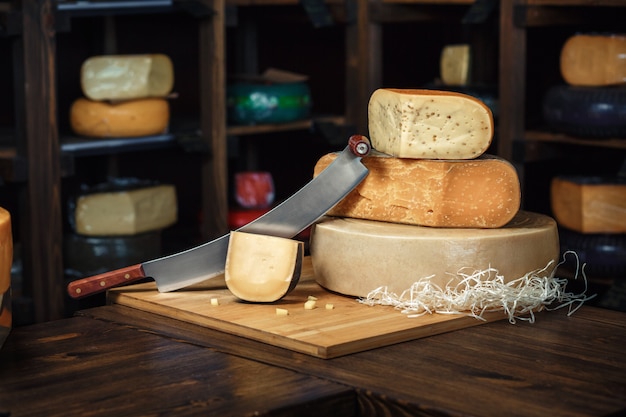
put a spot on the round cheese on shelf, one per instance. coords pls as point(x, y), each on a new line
point(594, 60)
point(455, 64)
point(482, 192)
point(429, 124)
point(124, 77)
point(355, 257)
point(133, 118)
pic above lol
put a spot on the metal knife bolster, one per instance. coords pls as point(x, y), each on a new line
point(287, 219)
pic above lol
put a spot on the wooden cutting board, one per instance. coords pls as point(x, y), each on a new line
point(325, 333)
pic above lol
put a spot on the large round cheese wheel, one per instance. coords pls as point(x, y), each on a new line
point(355, 257)
point(594, 60)
point(143, 117)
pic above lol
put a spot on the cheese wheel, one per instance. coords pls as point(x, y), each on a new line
point(483, 192)
point(125, 77)
point(589, 204)
point(126, 212)
point(455, 64)
point(354, 256)
point(6, 251)
point(143, 117)
point(429, 124)
point(594, 60)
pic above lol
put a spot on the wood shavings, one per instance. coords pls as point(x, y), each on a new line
point(486, 291)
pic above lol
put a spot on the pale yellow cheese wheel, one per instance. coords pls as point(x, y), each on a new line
point(133, 118)
point(481, 192)
point(594, 60)
point(429, 124)
point(355, 257)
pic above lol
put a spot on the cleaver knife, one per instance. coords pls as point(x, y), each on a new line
point(286, 220)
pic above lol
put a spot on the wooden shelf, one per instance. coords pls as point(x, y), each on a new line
point(281, 127)
point(541, 136)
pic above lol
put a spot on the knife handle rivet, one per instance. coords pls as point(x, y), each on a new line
point(102, 283)
point(78, 290)
point(126, 276)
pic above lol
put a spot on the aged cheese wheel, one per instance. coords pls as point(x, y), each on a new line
point(126, 212)
point(455, 64)
point(594, 60)
point(429, 124)
point(124, 77)
point(590, 204)
point(354, 256)
point(132, 118)
point(6, 251)
point(482, 192)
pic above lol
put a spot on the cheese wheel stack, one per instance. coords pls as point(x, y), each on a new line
point(434, 203)
point(125, 96)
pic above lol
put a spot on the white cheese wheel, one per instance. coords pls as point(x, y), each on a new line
point(455, 64)
point(134, 118)
point(125, 77)
point(126, 212)
point(594, 60)
point(482, 192)
point(355, 257)
point(589, 204)
point(429, 124)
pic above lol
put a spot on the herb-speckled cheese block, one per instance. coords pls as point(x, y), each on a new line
point(482, 192)
point(589, 204)
point(594, 60)
point(455, 64)
point(126, 212)
point(429, 124)
point(355, 257)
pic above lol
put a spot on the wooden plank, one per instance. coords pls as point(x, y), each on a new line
point(82, 366)
point(348, 328)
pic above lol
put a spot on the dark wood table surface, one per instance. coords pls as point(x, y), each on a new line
point(115, 360)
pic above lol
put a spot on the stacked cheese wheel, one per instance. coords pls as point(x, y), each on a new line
point(592, 102)
point(6, 260)
point(433, 204)
point(125, 96)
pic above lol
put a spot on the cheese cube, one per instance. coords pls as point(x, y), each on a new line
point(429, 124)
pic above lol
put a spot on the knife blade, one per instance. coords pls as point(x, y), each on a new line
point(286, 220)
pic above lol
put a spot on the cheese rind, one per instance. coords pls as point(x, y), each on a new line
point(135, 118)
point(262, 268)
point(354, 256)
point(483, 192)
point(126, 212)
point(589, 205)
point(455, 64)
point(6, 251)
point(429, 124)
point(594, 60)
point(126, 77)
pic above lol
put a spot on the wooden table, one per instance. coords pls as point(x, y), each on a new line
point(115, 360)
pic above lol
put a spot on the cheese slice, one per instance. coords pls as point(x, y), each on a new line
point(354, 256)
point(126, 212)
point(455, 64)
point(262, 268)
point(594, 60)
point(429, 124)
point(589, 204)
point(126, 77)
point(482, 192)
point(134, 118)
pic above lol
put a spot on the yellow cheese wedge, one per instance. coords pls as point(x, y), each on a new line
point(125, 77)
point(354, 256)
point(135, 118)
point(589, 205)
point(262, 268)
point(429, 124)
point(594, 60)
point(483, 192)
point(455, 64)
point(126, 212)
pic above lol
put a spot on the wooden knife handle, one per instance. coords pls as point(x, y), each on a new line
point(359, 145)
point(102, 282)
